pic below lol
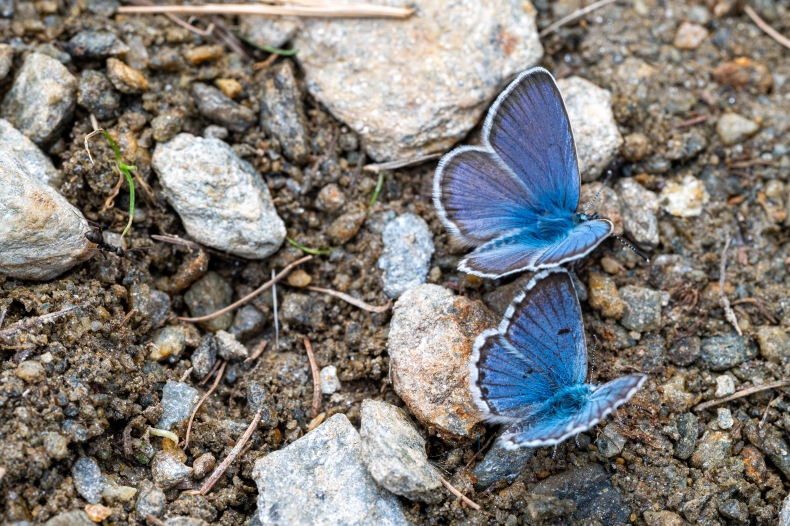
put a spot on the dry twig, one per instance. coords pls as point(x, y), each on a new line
point(316, 380)
point(457, 493)
point(760, 306)
point(741, 394)
point(321, 11)
point(691, 122)
point(217, 473)
point(175, 240)
point(200, 402)
point(257, 351)
point(29, 322)
point(403, 163)
point(762, 24)
point(351, 299)
point(216, 366)
point(724, 302)
point(284, 272)
point(772, 403)
point(127, 317)
point(153, 520)
point(574, 16)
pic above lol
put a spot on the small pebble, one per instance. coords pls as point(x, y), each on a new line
point(6, 60)
point(609, 265)
point(736, 511)
point(636, 147)
point(684, 199)
point(408, 247)
point(229, 348)
point(720, 353)
point(282, 112)
point(733, 128)
point(330, 199)
point(687, 429)
point(299, 278)
point(346, 226)
point(56, 445)
point(124, 78)
point(97, 512)
point(725, 386)
point(168, 471)
point(774, 343)
point(30, 371)
point(167, 342)
point(178, 402)
point(248, 322)
point(95, 45)
point(96, 94)
point(330, 383)
point(642, 311)
point(204, 357)
point(714, 448)
point(602, 296)
point(210, 293)
point(150, 501)
point(166, 126)
point(115, 492)
point(216, 106)
point(200, 54)
point(232, 88)
point(88, 479)
point(203, 465)
point(744, 73)
point(725, 420)
point(212, 131)
point(639, 210)
point(690, 36)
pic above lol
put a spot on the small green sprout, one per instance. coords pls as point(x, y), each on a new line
point(268, 49)
point(142, 459)
point(123, 167)
point(313, 251)
point(379, 184)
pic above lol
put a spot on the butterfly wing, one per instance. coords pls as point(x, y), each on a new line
point(476, 198)
point(538, 349)
point(529, 129)
point(539, 430)
point(580, 241)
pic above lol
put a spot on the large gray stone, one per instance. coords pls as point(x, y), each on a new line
point(408, 247)
point(42, 99)
point(394, 453)
point(597, 138)
point(36, 162)
point(88, 479)
point(640, 213)
point(321, 479)
point(500, 463)
point(282, 112)
point(178, 402)
point(723, 352)
point(223, 202)
point(41, 234)
point(364, 72)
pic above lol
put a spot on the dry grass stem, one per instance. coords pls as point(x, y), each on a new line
point(457, 493)
point(352, 300)
point(403, 163)
point(741, 394)
point(276, 318)
point(217, 473)
point(257, 351)
point(724, 302)
point(691, 122)
point(200, 402)
point(206, 379)
point(772, 403)
point(153, 520)
point(316, 409)
point(574, 16)
point(320, 11)
point(762, 24)
point(175, 240)
point(284, 272)
point(760, 306)
point(127, 317)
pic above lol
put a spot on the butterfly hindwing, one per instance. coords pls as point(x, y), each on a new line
point(580, 241)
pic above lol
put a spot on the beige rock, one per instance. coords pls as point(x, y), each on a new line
point(602, 296)
point(607, 205)
point(124, 78)
point(30, 371)
point(685, 198)
point(690, 36)
point(663, 518)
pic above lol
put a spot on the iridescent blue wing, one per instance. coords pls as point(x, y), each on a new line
point(536, 429)
point(538, 349)
point(580, 241)
point(477, 199)
point(529, 129)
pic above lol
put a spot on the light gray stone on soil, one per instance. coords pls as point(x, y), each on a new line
point(733, 128)
point(642, 308)
point(218, 107)
point(204, 357)
point(88, 479)
point(221, 199)
point(41, 234)
point(784, 513)
point(185, 521)
point(178, 402)
point(639, 207)
point(712, 450)
point(229, 348)
point(418, 106)
point(150, 500)
point(71, 518)
point(500, 463)
point(394, 453)
point(95, 44)
point(274, 32)
point(408, 247)
point(37, 163)
point(610, 442)
point(687, 428)
point(723, 352)
point(248, 322)
point(42, 99)
point(321, 479)
point(598, 139)
point(167, 471)
point(209, 294)
point(282, 112)
point(97, 95)
point(330, 383)
point(6, 59)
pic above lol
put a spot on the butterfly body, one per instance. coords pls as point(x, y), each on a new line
point(515, 197)
point(530, 372)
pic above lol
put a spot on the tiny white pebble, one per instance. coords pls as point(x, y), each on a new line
point(330, 383)
point(725, 418)
point(725, 386)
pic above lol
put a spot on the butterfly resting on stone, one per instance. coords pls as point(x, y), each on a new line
point(530, 372)
point(515, 197)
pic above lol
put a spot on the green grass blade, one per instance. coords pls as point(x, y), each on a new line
point(375, 197)
point(268, 49)
point(313, 251)
point(123, 167)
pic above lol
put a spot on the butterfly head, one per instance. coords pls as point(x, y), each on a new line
point(582, 217)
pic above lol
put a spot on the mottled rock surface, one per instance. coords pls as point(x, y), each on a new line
point(684, 198)
point(178, 402)
point(37, 163)
point(640, 209)
point(88, 479)
point(408, 246)
point(282, 112)
point(500, 463)
point(418, 106)
point(722, 352)
point(430, 345)
point(321, 479)
point(221, 199)
point(224, 111)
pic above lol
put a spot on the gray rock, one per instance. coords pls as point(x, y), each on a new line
point(6, 58)
point(682, 147)
point(300, 309)
point(168, 343)
point(394, 453)
point(330, 383)
point(212, 131)
point(167, 471)
point(95, 45)
point(37, 163)
point(41, 234)
point(591, 489)
point(684, 351)
point(71, 518)
point(88, 479)
point(158, 306)
point(784, 513)
point(56, 445)
point(734, 510)
point(723, 352)
point(500, 463)
point(685, 198)
point(223, 202)
point(248, 322)
point(663, 518)
point(6, 8)
point(610, 442)
point(42, 99)
point(542, 507)
point(597, 138)
point(724, 420)
point(258, 398)
point(151, 500)
point(204, 357)
point(53, 52)
point(774, 343)
point(210, 294)
point(771, 442)
point(687, 428)
point(419, 106)
point(216, 106)
point(430, 344)
point(282, 112)
point(168, 125)
point(408, 247)
point(229, 348)
point(713, 449)
point(274, 32)
point(330, 199)
point(733, 128)
point(639, 209)
point(203, 465)
point(642, 308)
point(725, 386)
point(178, 402)
point(321, 479)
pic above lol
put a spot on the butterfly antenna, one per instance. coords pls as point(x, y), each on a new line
point(592, 356)
point(632, 247)
point(597, 195)
point(645, 409)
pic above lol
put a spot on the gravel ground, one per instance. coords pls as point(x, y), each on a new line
point(703, 107)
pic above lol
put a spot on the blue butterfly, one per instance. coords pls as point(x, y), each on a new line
point(515, 197)
point(530, 372)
